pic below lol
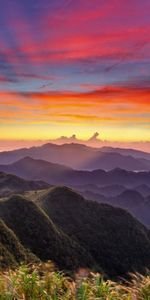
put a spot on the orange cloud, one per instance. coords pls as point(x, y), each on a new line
point(115, 104)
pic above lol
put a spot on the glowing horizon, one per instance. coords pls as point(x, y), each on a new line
point(75, 67)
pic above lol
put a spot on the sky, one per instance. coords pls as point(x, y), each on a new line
point(74, 67)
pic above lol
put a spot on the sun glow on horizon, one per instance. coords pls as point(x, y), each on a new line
point(91, 75)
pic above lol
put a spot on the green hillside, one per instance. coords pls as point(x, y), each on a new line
point(38, 233)
point(11, 250)
point(117, 242)
point(60, 225)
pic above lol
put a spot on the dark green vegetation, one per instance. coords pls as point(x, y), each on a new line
point(112, 236)
point(11, 250)
point(130, 200)
point(60, 225)
point(38, 233)
point(118, 242)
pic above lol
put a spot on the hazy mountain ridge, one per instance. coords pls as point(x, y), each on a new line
point(10, 184)
point(127, 151)
point(96, 185)
point(37, 169)
point(80, 156)
point(130, 200)
point(59, 224)
point(34, 169)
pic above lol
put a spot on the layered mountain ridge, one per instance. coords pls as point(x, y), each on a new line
point(83, 157)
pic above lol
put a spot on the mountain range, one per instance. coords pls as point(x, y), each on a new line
point(112, 190)
point(78, 206)
point(35, 169)
point(82, 157)
point(130, 200)
point(124, 151)
point(60, 225)
point(126, 189)
point(10, 184)
point(109, 234)
point(134, 199)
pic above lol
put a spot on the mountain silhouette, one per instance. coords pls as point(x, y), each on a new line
point(10, 184)
point(30, 168)
point(55, 174)
point(80, 157)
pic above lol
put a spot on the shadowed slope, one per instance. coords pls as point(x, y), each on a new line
point(117, 241)
point(37, 232)
point(130, 200)
point(11, 251)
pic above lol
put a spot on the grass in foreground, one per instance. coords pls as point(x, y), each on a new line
point(43, 282)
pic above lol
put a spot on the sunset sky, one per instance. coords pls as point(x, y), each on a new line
point(75, 66)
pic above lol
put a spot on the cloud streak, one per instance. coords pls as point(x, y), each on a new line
point(82, 63)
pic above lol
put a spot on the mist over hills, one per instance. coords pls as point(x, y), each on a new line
point(134, 199)
point(29, 168)
point(112, 190)
point(116, 187)
point(34, 169)
point(93, 141)
point(57, 223)
point(130, 200)
point(80, 156)
point(125, 151)
point(10, 184)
